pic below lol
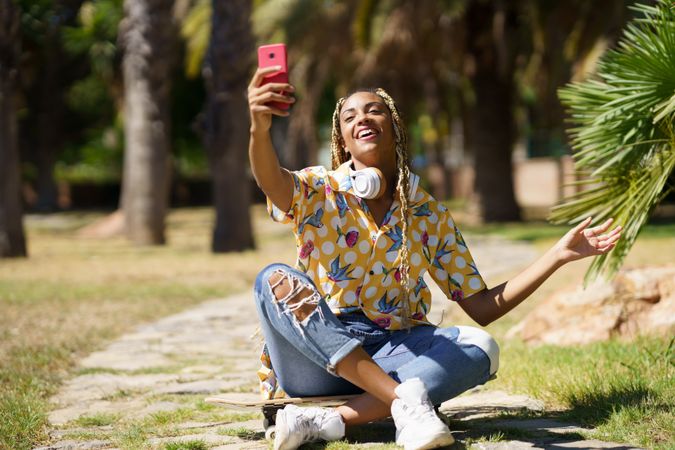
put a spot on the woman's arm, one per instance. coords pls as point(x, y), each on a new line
point(275, 181)
point(489, 305)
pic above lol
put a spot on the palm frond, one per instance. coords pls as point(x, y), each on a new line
point(196, 30)
point(622, 134)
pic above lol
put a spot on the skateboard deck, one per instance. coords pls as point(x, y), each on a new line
point(270, 408)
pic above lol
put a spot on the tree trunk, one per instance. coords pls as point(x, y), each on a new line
point(491, 124)
point(226, 73)
point(302, 141)
point(148, 37)
point(51, 110)
point(12, 238)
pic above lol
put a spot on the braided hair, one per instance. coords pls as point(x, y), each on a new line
point(339, 156)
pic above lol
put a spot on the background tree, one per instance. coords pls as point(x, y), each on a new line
point(12, 239)
point(226, 128)
point(148, 38)
point(624, 135)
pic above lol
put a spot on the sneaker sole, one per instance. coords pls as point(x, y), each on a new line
point(443, 440)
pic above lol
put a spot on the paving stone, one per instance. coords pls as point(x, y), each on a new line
point(483, 403)
point(104, 385)
point(207, 438)
point(127, 360)
point(200, 387)
point(551, 445)
point(246, 445)
point(77, 445)
point(158, 407)
point(73, 412)
point(539, 426)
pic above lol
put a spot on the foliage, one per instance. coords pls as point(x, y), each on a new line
point(196, 29)
point(96, 36)
point(624, 139)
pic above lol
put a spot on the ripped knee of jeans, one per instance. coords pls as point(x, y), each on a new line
point(298, 297)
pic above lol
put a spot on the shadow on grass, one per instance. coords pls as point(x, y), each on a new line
point(595, 408)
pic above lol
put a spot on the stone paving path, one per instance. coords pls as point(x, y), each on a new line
point(146, 389)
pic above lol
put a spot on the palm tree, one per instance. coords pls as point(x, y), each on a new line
point(226, 73)
point(148, 37)
point(12, 239)
point(624, 136)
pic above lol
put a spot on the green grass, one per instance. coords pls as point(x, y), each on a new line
point(97, 420)
point(73, 294)
point(188, 445)
point(243, 433)
point(624, 391)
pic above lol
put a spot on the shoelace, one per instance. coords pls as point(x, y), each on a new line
point(422, 410)
point(311, 428)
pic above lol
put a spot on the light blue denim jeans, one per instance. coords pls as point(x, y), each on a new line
point(304, 354)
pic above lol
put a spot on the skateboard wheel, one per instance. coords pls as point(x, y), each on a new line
point(269, 433)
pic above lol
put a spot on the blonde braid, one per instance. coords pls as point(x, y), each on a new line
point(339, 156)
point(337, 151)
point(403, 188)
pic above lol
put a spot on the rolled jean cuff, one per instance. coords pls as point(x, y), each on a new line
point(341, 354)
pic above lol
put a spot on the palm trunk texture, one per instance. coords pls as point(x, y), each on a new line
point(148, 35)
point(226, 73)
point(12, 238)
point(491, 123)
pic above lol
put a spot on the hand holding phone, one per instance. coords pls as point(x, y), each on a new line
point(274, 55)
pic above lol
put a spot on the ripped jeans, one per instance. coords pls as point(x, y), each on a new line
point(304, 353)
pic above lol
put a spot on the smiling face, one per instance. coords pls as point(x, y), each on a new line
point(367, 132)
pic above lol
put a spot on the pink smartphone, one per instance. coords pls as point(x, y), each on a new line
point(274, 55)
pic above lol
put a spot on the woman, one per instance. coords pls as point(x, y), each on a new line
point(352, 317)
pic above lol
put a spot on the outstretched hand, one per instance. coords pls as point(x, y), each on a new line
point(581, 241)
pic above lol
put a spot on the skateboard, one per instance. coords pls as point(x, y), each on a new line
point(270, 408)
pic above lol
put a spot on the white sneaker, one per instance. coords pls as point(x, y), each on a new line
point(296, 426)
point(417, 425)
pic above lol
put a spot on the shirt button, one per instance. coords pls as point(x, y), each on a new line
point(371, 272)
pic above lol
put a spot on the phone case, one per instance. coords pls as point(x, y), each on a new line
point(274, 55)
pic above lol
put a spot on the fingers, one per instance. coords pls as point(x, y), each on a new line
point(271, 96)
point(270, 109)
point(583, 224)
point(616, 231)
point(277, 87)
point(608, 241)
point(603, 250)
point(261, 73)
point(602, 227)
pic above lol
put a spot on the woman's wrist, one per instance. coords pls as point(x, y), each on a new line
point(559, 256)
point(258, 131)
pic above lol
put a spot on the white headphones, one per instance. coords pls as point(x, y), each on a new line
point(369, 183)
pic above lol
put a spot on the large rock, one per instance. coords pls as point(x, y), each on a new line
point(638, 301)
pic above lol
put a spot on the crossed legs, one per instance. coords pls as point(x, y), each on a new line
point(357, 366)
point(313, 353)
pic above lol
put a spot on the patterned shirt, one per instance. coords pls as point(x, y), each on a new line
point(354, 262)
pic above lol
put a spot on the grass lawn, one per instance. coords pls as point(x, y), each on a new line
point(73, 295)
point(624, 390)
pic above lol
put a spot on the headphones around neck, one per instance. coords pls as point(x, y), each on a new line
point(369, 183)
